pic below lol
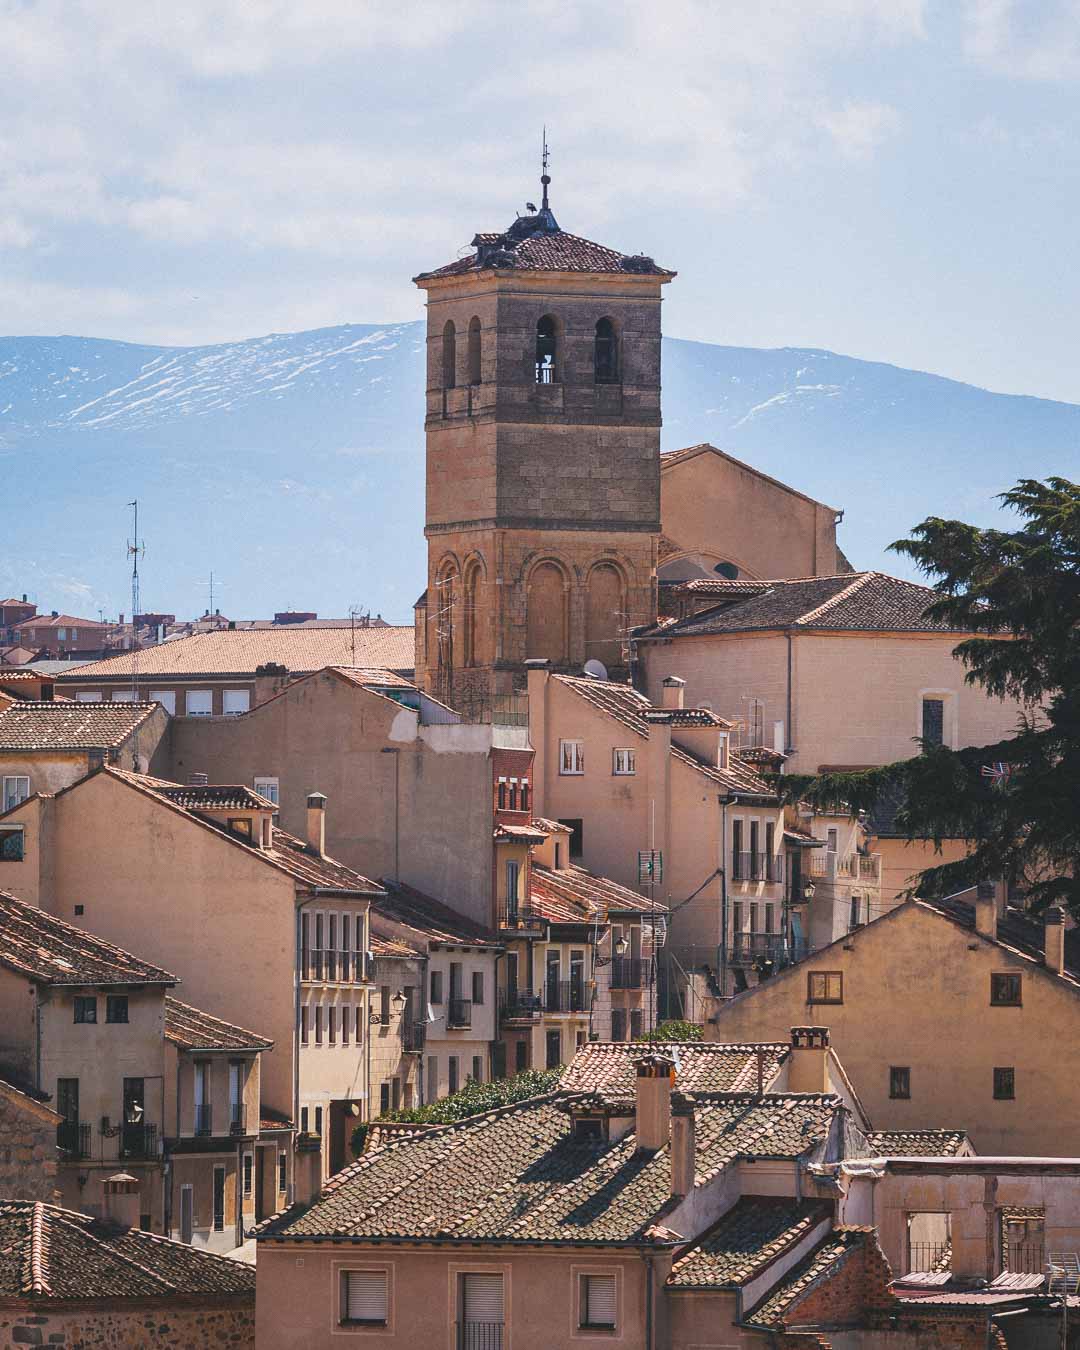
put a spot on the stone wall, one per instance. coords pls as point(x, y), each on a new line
point(28, 1158)
point(147, 1326)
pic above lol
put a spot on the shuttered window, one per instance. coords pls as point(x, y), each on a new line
point(365, 1296)
point(598, 1301)
point(482, 1296)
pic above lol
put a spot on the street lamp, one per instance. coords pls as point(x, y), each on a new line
point(621, 946)
point(398, 1001)
point(808, 891)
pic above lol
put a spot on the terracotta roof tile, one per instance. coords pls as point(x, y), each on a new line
point(192, 1029)
point(213, 796)
point(70, 725)
point(48, 1253)
point(238, 652)
point(49, 950)
point(412, 915)
point(575, 895)
point(520, 1174)
point(544, 251)
point(752, 1233)
point(607, 1067)
point(918, 1143)
point(822, 1263)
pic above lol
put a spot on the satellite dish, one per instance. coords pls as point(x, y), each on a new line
point(726, 569)
point(596, 670)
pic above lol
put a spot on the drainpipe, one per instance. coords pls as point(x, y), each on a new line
point(789, 732)
point(647, 1258)
point(731, 800)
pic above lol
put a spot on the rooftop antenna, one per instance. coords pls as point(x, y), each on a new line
point(136, 549)
point(545, 177)
point(361, 616)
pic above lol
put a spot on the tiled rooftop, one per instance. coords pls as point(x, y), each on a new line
point(70, 726)
point(543, 250)
point(859, 601)
point(519, 1173)
point(700, 1066)
point(821, 1262)
point(1015, 931)
point(192, 1029)
point(50, 1253)
point(46, 949)
point(213, 797)
point(918, 1143)
point(571, 894)
point(750, 1235)
point(238, 653)
point(410, 914)
point(59, 621)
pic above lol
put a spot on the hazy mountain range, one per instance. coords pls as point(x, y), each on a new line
point(292, 465)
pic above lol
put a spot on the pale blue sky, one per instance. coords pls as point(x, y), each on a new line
point(893, 179)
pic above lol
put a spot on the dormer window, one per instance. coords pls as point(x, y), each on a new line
point(589, 1127)
point(240, 825)
point(606, 353)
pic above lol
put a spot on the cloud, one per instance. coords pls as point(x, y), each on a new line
point(859, 128)
point(1028, 40)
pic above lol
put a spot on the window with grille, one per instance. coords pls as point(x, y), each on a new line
point(899, 1083)
point(116, 1007)
point(1006, 990)
point(249, 1172)
point(364, 1297)
point(1004, 1085)
point(933, 721)
point(282, 1171)
point(482, 1311)
point(11, 845)
point(85, 1009)
point(598, 1301)
point(825, 986)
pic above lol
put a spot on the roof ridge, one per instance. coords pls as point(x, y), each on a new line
point(860, 580)
point(35, 1271)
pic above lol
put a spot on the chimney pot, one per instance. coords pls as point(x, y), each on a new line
point(986, 910)
point(121, 1196)
point(1054, 933)
point(652, 1102)
point(198, 779)
point(683, 1150)
point(316, 823)
point(674, 692)
point(808, 1070)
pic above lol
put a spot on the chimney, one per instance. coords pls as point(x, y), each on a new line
point(316, 823)
point(1055, 940)
point(985, 910)
point(652, 1101)
point(198, 780)
point(674, 692)
point(683, 1149)
point(307, 1169)
point(808, 1069)
point(122, 1207)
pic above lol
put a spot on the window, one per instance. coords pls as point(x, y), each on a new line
point(384, 1098)
point(588, 1127)
point(1006, 991)
point(249, 1169)
point(478, 988)
point(282, 1171)
point(474, 350)
point(318, 1121)
point(303, 1120)
point(933, 721)
point(853, 917)
point(738, 863)
point(502, 794)
point(513, 886)
point(832, 839)
point(432, 1089)
point(769, 919)
point(16, 790)
point(346, 1018)
point(449, 355)
point(453, 1081)
point(577, 837)
point(477, 1069)
point(235, 701)
point(547, 350)
point(521, 1056)
point(637, 1024)
point(358, 1022)
point(737, 916)
point(268, 788)
point(598, 1302)
point(481, 1312)
point(554, 1049)
point(167, 699)
point(755, 855)
point(219, 1199)
point(91, 696)
point(624, 762)
point(395, 1093)
point(116, 1007)
point(199, 702)
point(331, 1025)
point(61, 633)
point(363, 1297)
point(571, 757)
point(240, 825)
point(513, 794)
point(85, 1008)
point(605, 353)
point(123, 696)
point(304, 1025)
point(825, 986)
point(1004, 1085)
point(384, 1004)
point(11, 845)
point(436, 986)
point(318, 1024)
point(899, 1083)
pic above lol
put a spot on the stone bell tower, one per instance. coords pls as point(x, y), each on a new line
point(543, 457)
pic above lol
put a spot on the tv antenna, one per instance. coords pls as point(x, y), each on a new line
point(358, 618)
point(136, 549)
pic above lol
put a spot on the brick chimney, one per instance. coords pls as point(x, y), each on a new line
point(985, 909)
point(316, 823)
point(652, 1101)
point(683, 1147)
point(674, 692)
point(1054, 920)
point(121, 1193)
point(808, 1070)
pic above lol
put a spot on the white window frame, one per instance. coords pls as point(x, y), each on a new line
point(10, 800)
point(88, 696)
point(572, 752)
point(380, 1322)
point(189, 711)
point(230, 695)
point(167, 699)
point(584, 1324)
point(121, 696)
point(340, 1270)
point(623, 762)
point(261, 784)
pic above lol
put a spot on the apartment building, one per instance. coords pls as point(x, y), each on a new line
point(46, 746)
point(264, 928)
point(941, 1013)
point(834, 880)
point(59, 636)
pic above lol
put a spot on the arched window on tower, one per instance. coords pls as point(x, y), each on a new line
point(449, 355)
point(547, 350)
point(605, 615)
point(471, 627)
point(474, 350)
point(545, 613)
point(606, 353)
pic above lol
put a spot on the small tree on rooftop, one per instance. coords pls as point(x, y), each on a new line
point(1017, 802)
point(675, 1031)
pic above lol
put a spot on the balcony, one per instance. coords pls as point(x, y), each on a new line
point(846, 867)
point(518, 1005)
point(74, 1138)
point(757, 867)
point(565, 996)
point(749, 948)
point(332, 966)
point(630, 972)
point(513, 917)
point(138, 1141)
point(238, 1118)
point(459, 1014)
point(413, 1037)
point(204, 1119)
point(479, 1336)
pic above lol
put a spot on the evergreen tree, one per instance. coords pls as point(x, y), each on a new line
point(1016, 803)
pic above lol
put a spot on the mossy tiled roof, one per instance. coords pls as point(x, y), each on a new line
point(520, 1174)
point(820, 1263)
point(918, 1143)
point(754, 1231)
point(700, 1066)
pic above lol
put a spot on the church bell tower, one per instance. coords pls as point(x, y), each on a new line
point(543, 458)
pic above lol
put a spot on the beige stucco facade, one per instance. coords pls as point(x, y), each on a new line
point(916, 994)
